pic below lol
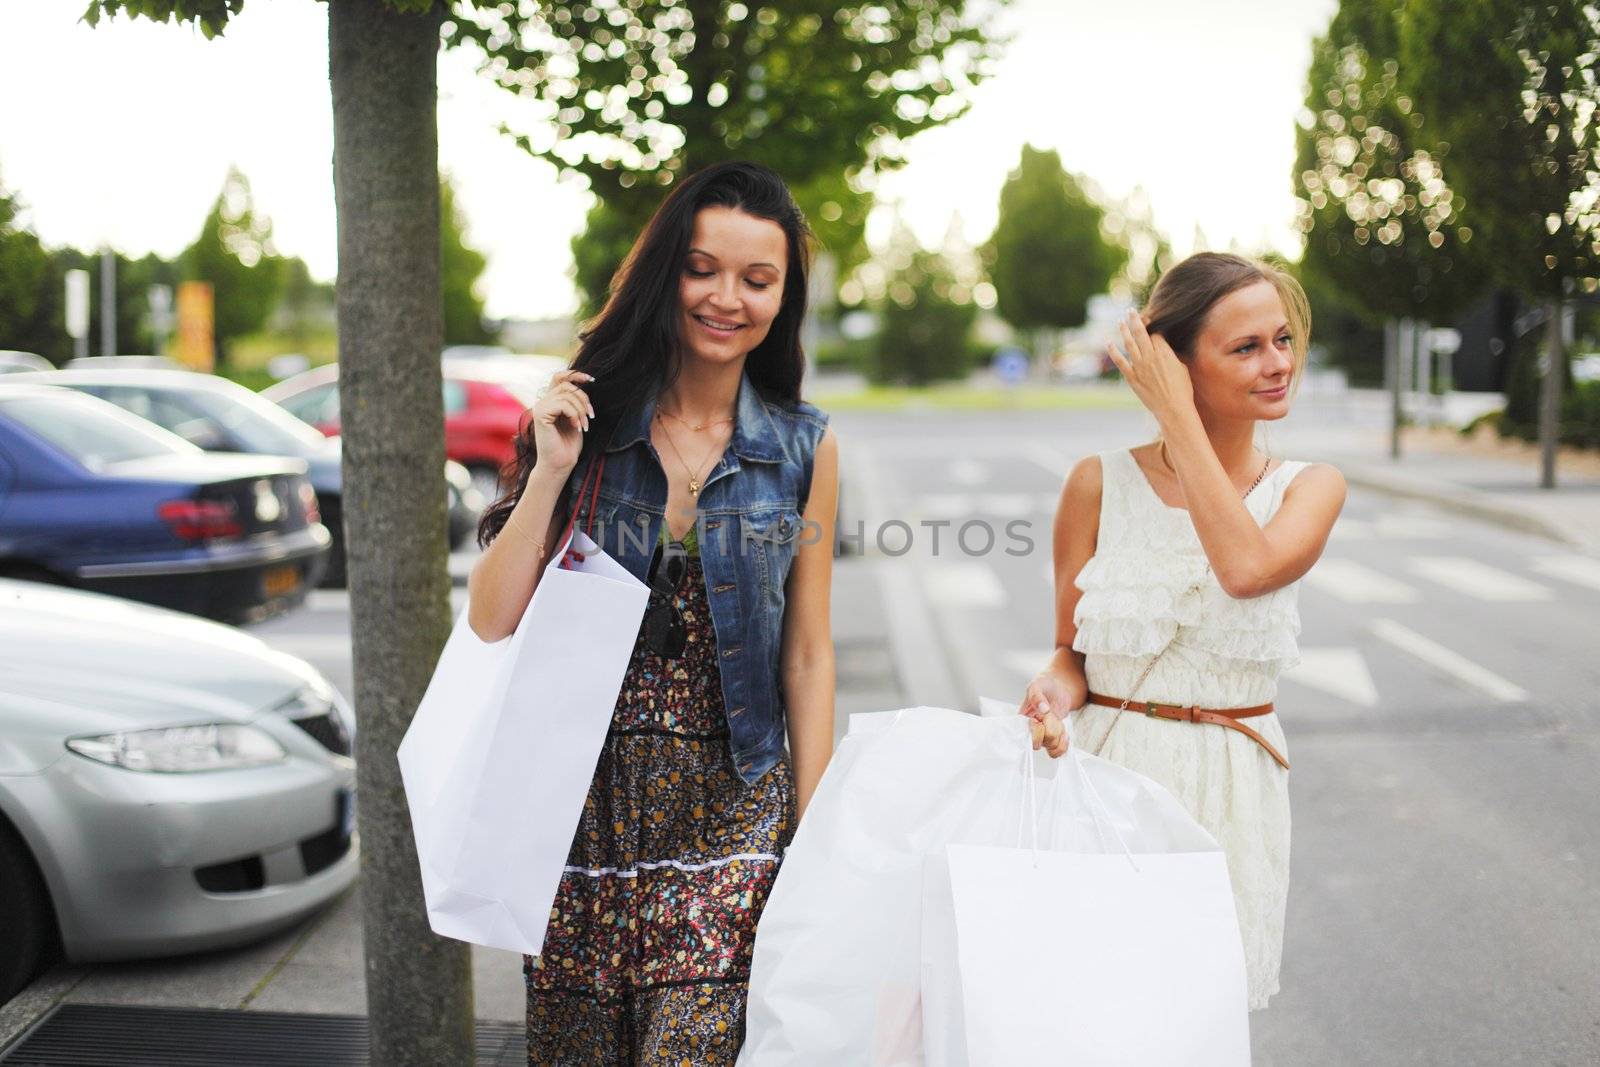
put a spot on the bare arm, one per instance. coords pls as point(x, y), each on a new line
point(806, 657)
point(1251, 560)
point(1248, 560)
point(505, 576)
point(1062, 685)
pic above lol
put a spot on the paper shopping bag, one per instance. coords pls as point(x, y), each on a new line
point(498, 759)
point(1089, 959)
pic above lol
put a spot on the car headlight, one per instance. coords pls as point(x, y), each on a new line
point(183, 749)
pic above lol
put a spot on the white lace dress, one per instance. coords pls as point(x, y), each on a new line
point(1149, 585)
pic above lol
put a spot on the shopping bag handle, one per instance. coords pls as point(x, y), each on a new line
point(1097, 804)
point(597, 469)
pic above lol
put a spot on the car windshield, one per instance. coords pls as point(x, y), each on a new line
point(94, 433)
point(258, 423)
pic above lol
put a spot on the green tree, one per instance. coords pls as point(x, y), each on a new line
point(29, 307)
point(460, 268)
point(1520, 118)
point(925, 321)
point(1049, 252)
point(642, 92)
point(382, 70)
point(1383, 226)
point(234, 253)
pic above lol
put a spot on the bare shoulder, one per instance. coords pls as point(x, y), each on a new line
point(1318, 482)
point(1083, 482)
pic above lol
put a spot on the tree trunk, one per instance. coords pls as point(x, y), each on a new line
point(1550, 394)
point(383, 69)
point(1392, 378)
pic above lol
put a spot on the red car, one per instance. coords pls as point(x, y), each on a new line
point(484, 400)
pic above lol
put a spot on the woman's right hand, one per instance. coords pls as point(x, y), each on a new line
point(560, 419)
point(1048, 701)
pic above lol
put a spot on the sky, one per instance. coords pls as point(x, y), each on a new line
point(123, 134)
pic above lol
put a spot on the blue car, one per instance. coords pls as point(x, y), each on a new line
point(93, 497)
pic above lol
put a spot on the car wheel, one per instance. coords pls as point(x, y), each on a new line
point(486, 480)
point(334, 576)
point(27, 922)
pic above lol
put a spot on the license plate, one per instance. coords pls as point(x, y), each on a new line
point(346, 805)
point(280, 581)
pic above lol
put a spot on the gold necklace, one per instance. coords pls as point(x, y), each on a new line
point(695, 474)
point(692, 426)
point(1168, 464)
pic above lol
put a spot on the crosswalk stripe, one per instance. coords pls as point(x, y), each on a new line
point(1580, 570)
point(1452, 663)
point(1007, 506)
point(336, 600)
point(1027, 662)
point(1340, 671)
point(1356, 583)
point(968, 472)
point(1478, 579)
point(964, 584)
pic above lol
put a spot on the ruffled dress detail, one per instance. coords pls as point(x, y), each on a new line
point(1149, 587)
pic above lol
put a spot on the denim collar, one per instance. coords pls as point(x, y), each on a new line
point(754, 436)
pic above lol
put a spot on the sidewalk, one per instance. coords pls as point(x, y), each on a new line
point(1482, 478)
point(316, 969)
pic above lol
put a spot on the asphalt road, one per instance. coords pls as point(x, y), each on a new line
point(1443, 729)
point(1443, 726)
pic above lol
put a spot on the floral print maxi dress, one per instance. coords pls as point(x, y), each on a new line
point(647, 955)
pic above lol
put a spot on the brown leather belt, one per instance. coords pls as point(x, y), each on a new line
point(1228, 717)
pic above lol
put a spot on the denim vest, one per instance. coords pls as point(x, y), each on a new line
point(749, 524)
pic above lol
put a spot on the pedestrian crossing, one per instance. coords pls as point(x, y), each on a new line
point(1405, 580)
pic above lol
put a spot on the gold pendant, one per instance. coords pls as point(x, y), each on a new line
point(694, 487)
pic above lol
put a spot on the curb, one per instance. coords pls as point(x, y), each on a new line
point(1456, 498)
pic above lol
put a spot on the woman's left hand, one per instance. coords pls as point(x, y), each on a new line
point(1157, 376)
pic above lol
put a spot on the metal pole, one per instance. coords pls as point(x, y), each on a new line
point(1391, 373)
point(108, 303)
point(1555, 359)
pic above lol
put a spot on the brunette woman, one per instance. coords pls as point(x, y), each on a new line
point(718, 487)
point(1176, 568)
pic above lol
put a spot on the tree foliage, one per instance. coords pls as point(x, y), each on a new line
point(1521, 117)
point(1383, 225)
point(460, 267)
point(632, 95)
point(29, 303)
point(1049, 253)
point(924, 323)
point(234, 253)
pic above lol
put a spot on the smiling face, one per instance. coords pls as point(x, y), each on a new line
point(732, 284)
point(1242, 360)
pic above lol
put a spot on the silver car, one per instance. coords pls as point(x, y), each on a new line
point(167, 784)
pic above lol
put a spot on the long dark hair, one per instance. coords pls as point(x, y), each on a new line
point(633, 345)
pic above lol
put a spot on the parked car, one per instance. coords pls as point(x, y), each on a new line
point(93, 497)
point(12, 362)
point(124, 363)
point(484, 401)
point(167, 784)
point(222, 416)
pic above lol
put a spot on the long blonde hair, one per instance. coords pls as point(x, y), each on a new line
point(1186, 294)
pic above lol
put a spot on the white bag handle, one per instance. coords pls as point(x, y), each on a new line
point(1097, 806)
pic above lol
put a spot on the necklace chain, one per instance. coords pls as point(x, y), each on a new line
point(695, 473)
point(692, 426)
point(1168, 464)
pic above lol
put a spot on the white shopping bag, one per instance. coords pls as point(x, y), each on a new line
point(835, 975)
point(1123, 950)
point(498, 759)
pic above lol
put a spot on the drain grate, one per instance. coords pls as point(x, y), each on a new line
point(103, 1035)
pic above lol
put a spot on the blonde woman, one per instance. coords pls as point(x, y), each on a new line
point(1176, 571)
